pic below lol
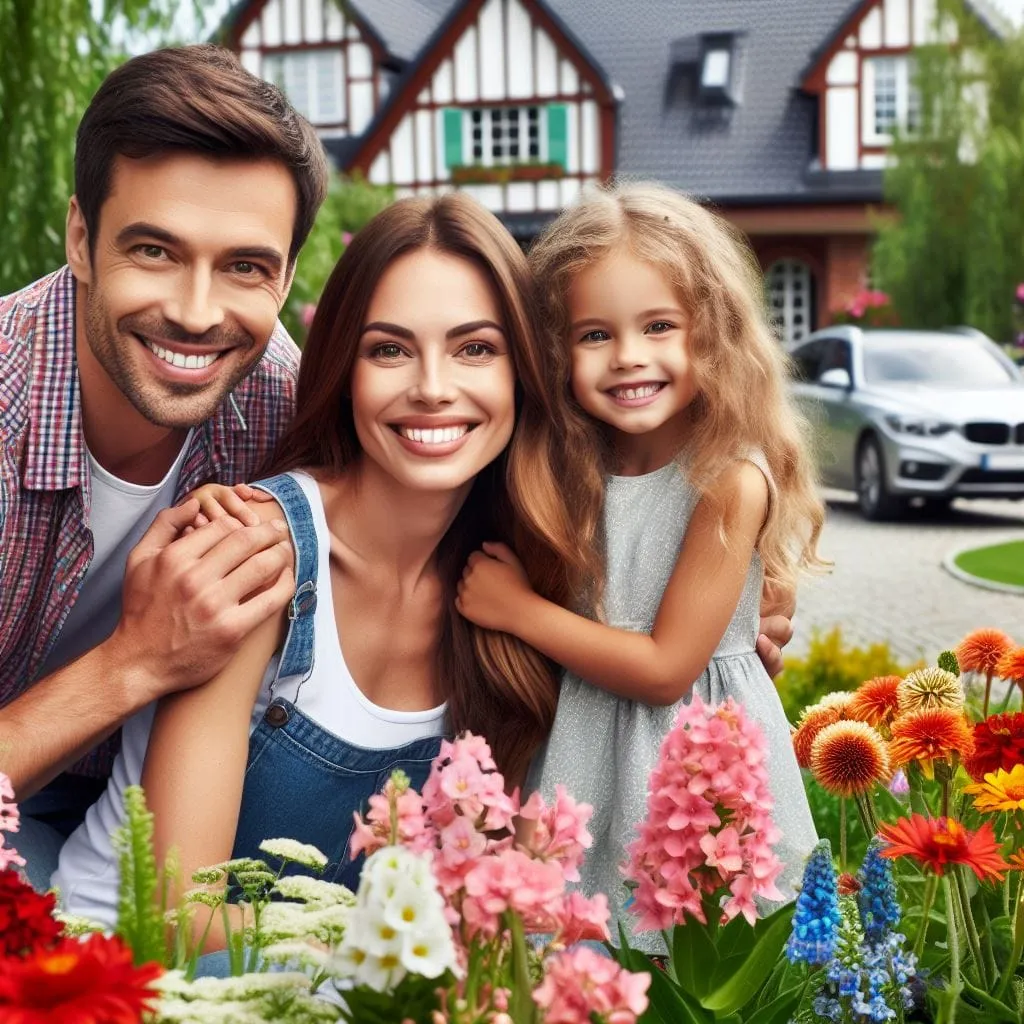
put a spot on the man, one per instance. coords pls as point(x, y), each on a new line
point(152, 362)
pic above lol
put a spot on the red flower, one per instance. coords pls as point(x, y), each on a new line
point(998, 743)
point(938, 842)
point(26, 917)
point(77, 982)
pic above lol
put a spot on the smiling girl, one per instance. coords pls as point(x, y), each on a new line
point(424, 413)
point(697, 461)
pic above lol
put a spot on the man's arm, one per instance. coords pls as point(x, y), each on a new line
point(188, 602)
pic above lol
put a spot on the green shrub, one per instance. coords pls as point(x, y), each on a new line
point(830, 665)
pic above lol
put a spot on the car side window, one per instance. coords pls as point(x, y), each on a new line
point(836, 356)
point(806, 360)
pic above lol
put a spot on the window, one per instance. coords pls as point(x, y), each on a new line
point(312, 80)
point(895, 103)
point(715, 74)
point(806, 360)
point(502, 136)
point(790, 289)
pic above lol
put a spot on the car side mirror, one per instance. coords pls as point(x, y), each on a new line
point(837, 377)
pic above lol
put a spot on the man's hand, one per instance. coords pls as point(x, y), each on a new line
point(189, 601)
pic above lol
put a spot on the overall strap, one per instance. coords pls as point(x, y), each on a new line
point(297, 656)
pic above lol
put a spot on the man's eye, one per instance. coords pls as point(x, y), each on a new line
point(151, 252)
point(386, 350)
point(245, 268)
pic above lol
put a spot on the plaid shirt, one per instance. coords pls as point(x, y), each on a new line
point(45, 541)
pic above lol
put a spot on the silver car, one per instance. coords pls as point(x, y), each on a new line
point(912, 414)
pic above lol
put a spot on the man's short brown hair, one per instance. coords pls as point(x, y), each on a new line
point(195, 99)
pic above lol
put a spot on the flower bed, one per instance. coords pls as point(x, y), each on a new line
point(465, 912)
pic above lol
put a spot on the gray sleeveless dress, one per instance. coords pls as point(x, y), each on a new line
point(602, 748)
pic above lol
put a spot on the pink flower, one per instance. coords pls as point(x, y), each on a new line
point(582, 983)
point(307, 314)
point(464, 781)
point(708, 826)
point(583, 918)
point(1020, 292)
point(409, 824)
point(560, 831)
point(346, 237)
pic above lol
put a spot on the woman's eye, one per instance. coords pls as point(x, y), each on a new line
point(592, 336)
point(386, 350)
point(659, 327)
point(478, 350)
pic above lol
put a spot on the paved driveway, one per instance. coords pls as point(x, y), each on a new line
point(888, 582)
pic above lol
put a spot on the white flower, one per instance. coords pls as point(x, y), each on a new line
point(428, 954)
point(315, 891)
point(283, 921)
point(296, 852)
point(301, 954)
point(245, 987)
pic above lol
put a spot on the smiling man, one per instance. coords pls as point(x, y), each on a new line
point(152, 362)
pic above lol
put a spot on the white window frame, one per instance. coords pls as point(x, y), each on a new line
point(288, 68)
point(715, 73)
point(908, 100)
point(488, 158)
point(784, 279)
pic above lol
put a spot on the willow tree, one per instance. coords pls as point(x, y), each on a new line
point(54, 55)
point(955, 253)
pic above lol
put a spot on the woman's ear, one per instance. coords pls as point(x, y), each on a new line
point(76, 243)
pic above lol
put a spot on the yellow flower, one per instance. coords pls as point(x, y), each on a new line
point(930, 688)
point(1000, 791)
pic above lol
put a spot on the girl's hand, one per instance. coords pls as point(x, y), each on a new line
point(493, 588)
point(218, 500)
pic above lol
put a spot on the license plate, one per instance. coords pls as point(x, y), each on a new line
point(1002, 460)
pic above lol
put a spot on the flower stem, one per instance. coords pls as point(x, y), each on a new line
point(986, 941)
point(842, 834)
point(1018, 948)
point(1007, 698)
point(931, 883)
point(970, 927)
point(670, 968)
point(954, 951)
point(988, 690)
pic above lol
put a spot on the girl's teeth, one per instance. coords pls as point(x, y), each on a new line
point(182, 362)
point(434, 435)
point(644, 392)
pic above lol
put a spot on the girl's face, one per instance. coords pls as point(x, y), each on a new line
point(630, 361)
point(433, 387)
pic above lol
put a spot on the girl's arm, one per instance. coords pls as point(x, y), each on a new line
point(696, 608)
point(195, 766)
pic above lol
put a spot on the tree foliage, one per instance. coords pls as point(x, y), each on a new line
point(955, 253)
point(55, 54)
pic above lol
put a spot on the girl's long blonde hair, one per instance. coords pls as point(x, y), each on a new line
point(739, 366)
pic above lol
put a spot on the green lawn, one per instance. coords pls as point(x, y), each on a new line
point(1001, 563)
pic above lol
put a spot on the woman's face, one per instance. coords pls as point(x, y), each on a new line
point(433, 387)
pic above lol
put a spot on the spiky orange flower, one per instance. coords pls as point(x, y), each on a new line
point(1016, 860)
point(827, 711)
point(930, 687)
point(875, 701)
point(938, 842)
point(981, 650)
point(848, 758)
point(1000, 791)
point(1011, 666)
point(934, 734)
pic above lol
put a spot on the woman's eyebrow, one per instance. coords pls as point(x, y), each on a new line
point(382, 325)
point(473, 326)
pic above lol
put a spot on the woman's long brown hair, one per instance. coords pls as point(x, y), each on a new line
point(494, 684)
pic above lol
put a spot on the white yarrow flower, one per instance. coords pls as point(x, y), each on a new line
point(296, 852)
point(315, 891)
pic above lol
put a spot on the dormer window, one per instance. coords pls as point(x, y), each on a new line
point(717, 72)
point(893, 102)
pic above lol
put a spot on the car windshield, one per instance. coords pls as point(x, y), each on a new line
point(932, 359)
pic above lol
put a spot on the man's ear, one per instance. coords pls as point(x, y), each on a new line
point(289, 280)
point(76, 243)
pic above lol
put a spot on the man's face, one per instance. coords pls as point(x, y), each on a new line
point(187, 276)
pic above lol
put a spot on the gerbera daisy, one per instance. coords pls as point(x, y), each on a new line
point(875, 701)
point(1011, 666)
point(1016, 860)
point(981, 650)
point(938, 842)
point(848, 758)
point(812, 721)
point(929, 688)
point(934, 734)
point(998, 743)
point(1000, 791)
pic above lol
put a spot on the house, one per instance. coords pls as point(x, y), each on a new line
point(778, 112)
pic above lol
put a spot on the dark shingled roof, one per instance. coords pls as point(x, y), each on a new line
point(403, 25)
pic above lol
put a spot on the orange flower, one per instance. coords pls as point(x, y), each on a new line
point(981, 650)
point(934, 734)
point(827, 711)
point(1011, 666)
point(88, 982)
point(875, 701)
point(848, 758)
point(937, 842)
point(1016, 860)
point(1000, 791)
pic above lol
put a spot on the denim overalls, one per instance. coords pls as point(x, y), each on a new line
point(301, 781)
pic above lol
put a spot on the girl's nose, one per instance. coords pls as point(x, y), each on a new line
point(629, 351)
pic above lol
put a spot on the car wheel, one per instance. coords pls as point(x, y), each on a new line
point(875, 499)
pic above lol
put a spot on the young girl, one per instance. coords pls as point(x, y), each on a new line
point(707, 491)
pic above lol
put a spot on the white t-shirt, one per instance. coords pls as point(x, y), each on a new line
point(120, 513)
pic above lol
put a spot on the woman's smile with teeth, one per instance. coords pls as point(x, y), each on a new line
point(183, 362)
point(433, 435)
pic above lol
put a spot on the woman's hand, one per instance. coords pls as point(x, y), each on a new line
point(218, 500)
point(493, 588)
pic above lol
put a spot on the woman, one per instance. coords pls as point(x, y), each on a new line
point(425, 414)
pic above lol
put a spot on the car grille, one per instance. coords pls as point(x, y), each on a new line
point(992, 476)
point(988, 433)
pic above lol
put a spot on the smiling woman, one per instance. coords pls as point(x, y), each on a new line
point(429, 421)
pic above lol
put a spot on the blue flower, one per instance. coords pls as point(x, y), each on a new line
point(879, 907)
point(816, 917)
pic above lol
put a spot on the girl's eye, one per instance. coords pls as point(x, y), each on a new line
point(593, 336)
point(386, 350)
point(477, 350)
point(659, 327)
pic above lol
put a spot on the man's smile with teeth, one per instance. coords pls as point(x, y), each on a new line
point(638, 391)
point(179, 360)
point(433, 435)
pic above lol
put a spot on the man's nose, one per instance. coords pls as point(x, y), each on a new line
point(194, 305)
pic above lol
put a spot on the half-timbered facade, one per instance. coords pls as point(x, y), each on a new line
point(781, 114)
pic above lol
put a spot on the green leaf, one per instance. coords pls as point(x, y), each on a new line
point(781, 1009)
point(672, 1004)
point(694, 957)
point(747, 981)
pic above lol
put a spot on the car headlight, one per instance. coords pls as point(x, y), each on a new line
point(918, 426)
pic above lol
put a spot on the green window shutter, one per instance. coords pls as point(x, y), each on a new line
point(558, 134)
point(453, 138)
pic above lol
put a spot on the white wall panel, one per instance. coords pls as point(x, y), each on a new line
point(441, 84)
point(897, 23)
point(492, 51)
point(251, 36)
point(841, 129)
point(923, 21)
point(360, 106)
point(251, 61)
point(424, 145)
point(871, 30)
point(569, 189)
point(519, 47)
point(591, 137)
point(360, 60)
point(547, 195)
point(572, 132)
point(292, 22)
point(874, 161)
point(380, 169)
point(313, 20)
point(467, 88)
point(270, 23)
point(547, 65)
point(403, 170)
point(489, 196)
point(569, 78)
point(842, 68)
point(334, 21)
point(521, 197)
